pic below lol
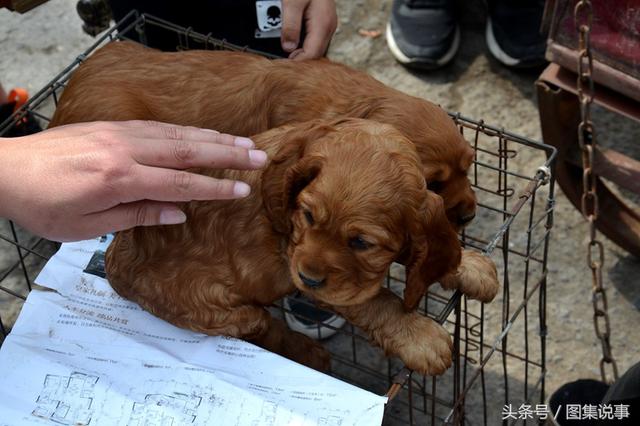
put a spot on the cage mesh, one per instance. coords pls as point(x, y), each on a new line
point(499, 348)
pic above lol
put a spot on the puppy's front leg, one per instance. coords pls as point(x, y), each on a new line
point(476, 277)
point(421, 343)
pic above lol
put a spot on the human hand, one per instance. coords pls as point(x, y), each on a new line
point(320, 21)
point(83, 180)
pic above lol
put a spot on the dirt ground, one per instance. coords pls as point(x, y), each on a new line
point(36, 46)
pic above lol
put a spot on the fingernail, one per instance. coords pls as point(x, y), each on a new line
point(244, 143)
point(289, 46)
point(210, 130)
point(241, 189)
point(258, 157)
point(172, 217)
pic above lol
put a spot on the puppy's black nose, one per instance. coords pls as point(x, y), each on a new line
point(310, 282)
point(466, 219)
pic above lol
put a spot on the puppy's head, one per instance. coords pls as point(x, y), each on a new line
point(446, 156)
point(351, 198)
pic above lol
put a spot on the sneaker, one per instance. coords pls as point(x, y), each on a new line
point(95, 15)
point(513, 32)
point(304, 316)
point(27, 125)
point(581, 392)
point(423, 34)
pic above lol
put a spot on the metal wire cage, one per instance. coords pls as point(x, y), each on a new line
point(499, 348)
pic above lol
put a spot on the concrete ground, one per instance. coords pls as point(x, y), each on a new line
point(34, 47)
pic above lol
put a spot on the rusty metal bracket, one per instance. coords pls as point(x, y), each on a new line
point(560, 116)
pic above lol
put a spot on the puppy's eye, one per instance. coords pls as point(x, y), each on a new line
point(435, 186)
point(357, 243)
point(309, 217)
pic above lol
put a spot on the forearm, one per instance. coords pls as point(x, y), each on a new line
point(8, 177)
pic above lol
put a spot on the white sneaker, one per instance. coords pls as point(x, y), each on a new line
point(304, 316)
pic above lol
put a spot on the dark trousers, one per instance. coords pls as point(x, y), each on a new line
point(626, 390)
point(233, 20)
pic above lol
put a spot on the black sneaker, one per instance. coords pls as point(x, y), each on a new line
point(579, 393)
point(423, 33)
point(304, 316)
point(513, 32)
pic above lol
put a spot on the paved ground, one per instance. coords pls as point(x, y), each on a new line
point(34, 47)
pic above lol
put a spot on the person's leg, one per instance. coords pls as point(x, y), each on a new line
point(232, 20)
point(578, 393)
point(425, 34)
point(625, 392)
point(622, 398)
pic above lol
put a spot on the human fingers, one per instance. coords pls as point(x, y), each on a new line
point(187, 133)
point(153, 129)
point(125, 216)
point(184, 154)
point(153, 183)
point(292, 14)
point(321, 21)
point(296, 53)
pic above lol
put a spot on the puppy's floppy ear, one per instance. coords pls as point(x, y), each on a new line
point(434, 250)
point(289, 172)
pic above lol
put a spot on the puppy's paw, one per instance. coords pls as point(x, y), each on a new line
point(476, 278)
point(306, 351)
point(425, 346)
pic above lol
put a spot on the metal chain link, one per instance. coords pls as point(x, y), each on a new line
point(583, 16)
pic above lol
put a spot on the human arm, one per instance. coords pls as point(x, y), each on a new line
point(83, 180)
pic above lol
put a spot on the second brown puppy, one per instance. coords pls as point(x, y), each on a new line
point(244, 94)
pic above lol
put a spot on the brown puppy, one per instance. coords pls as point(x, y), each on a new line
point(337, 204)
point(244, 94)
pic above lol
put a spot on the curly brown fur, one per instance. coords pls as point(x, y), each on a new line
point(326, 186)
point(420, 342)
point(244, 94)
point(476, 277)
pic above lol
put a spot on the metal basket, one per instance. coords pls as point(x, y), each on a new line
point(499, 348)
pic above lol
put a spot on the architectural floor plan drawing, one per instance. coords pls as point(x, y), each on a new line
point(66, 400)
point(153, 411)
point(171, 403)
point(79, 354)
point(267, 413)
point(330, 421)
